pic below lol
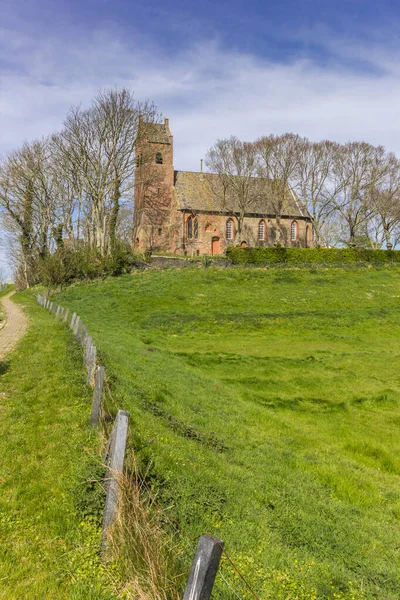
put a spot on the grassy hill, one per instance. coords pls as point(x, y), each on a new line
point(266, 411)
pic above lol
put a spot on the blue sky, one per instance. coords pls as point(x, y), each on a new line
point(321, 68)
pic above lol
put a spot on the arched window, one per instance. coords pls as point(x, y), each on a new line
point(261, 230)
point(293, 231)
point(229, 229)
point(190, 227)
point(159, 160)
point(196, 228)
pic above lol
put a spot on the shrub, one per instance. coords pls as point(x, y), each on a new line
point(299, 256)
point(67, 264)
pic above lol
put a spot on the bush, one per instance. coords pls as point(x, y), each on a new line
point(68, 264)
point(300, 256)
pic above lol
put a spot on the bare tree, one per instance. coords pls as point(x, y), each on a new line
point(27, 200)
point(357, 169)
point(97, 152)
point(278, 161)
point(385, 199)
point(236, 187)
point(314, 183)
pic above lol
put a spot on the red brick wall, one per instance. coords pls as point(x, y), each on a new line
point(214, 226)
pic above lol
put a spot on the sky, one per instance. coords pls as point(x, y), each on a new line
point(319, 68)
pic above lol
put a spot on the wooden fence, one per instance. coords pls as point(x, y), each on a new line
point(209, 549)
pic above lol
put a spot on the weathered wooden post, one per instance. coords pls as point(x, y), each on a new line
point(66, 314)
point(57, 310)
point(78, 329)
point(97, 396)
point(91, 364)
point(115, 466)
point(86, 354)
point(76, 324)
point(50, 306)
point(62, 311)
point(83, 336)
point(73, 319)
point(204, 569)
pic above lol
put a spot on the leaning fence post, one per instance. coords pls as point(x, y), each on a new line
point(204, 569)
point(51, 307)
point(115, 466)
point(65, 319)
point(78, 330)
point(91, 364)
point(77, 324)
point(72, 324)
point(97, 396)
point(86, 354)
point(83, 335)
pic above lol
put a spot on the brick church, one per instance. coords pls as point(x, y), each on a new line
point(181, 212)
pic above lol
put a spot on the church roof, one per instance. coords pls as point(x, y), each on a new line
point(204, 192)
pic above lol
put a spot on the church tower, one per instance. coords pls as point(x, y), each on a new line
point(154, 180)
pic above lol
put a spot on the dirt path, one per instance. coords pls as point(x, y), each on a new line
point(14, 328)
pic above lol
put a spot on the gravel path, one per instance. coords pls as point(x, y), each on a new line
point(14, 328)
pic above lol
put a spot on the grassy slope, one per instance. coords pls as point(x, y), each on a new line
point(48, 550)
point(268, 405)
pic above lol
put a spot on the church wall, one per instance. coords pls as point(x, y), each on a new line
point(212, 234)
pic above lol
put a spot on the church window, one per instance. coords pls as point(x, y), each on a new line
point(261, 230)
point(190, 227)
point(196, 228)
point(159, 159)
point(139, 160)
point(159, 231)
point(293, 231)
point(229, 229)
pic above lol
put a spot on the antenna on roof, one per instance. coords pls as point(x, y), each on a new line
point(201, 165)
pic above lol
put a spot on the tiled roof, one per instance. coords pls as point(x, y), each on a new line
point(202, 191)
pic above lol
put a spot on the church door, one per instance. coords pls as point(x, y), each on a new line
point(215, 245)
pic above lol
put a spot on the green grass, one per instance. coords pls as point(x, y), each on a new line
point(49, 512)
point(265, 406)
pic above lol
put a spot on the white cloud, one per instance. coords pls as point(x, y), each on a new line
point(207, 92)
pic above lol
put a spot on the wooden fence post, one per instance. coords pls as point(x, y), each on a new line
point(79, 328)
point(73, 319)
point(76, 324)
point(83, 336)
point(86, 354)
point(204, 569)
point(51, 307)
point(65, 319)
point(91, 364)
point(97, 396)
point(115, 466)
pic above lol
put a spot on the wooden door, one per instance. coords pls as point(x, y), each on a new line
point(215, 245)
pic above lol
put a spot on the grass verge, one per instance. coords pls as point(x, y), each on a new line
point(50, 510)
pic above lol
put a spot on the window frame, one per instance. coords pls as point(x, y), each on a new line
point(294, 225)
point(229, 223)
point(189, 228)
point(261, 223)
point(159, 158)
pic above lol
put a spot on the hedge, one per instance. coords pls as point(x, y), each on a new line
point(297, 256)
